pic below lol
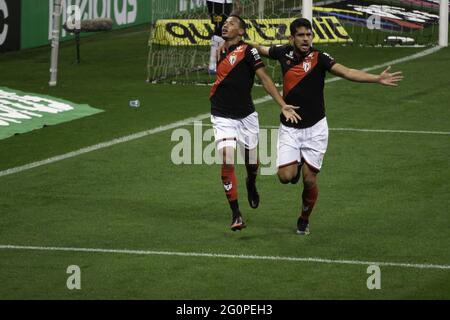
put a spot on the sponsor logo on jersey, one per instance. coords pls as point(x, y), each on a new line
point(255, 53)
point(290, 55)
point(239, 49)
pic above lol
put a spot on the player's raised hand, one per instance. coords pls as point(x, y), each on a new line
point(390, 79)
point(290, 114)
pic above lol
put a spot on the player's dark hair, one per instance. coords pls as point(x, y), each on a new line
point(297, 23)
point(242, 23)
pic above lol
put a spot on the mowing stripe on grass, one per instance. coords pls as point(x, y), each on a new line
point(391, 131)
point(181, 123)
point(230, 256)
point(102, 145)
point(445, 133)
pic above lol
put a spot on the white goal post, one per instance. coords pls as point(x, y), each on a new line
point(55, 42)
point(307, 9)
point(443, 24)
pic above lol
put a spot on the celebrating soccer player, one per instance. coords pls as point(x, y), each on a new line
point(302, 145)
point(233, 113)
point(219, 10)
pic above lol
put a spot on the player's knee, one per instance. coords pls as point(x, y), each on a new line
point(228, 159)
point(251, 157)
point(284, 177)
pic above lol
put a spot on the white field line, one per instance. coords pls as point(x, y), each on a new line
point(103, 145)
point(180, 123)
point(230, 256)
point(350, 129)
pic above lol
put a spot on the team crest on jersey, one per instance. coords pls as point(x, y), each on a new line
point(306, 66)
point(232, 59)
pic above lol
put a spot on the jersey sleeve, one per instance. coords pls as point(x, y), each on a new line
point(275, 52)
point(326, 61)
point(253, 58)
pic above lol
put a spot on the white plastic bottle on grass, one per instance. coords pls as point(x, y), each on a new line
point(135, 103)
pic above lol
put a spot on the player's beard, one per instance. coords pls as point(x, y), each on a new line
point(302, 50)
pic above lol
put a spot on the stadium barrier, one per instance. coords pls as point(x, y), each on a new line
point(188, 32)
point(181, 30)
point(23, 24)
point(9, 25)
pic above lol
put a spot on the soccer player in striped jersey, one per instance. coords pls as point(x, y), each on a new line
point(219, 10)
point(302, 145)
point(233, 114)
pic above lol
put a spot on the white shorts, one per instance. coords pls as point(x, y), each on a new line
point(227, 131)
point(298, 145)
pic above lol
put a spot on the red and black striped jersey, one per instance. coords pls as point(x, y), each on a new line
point(303, 82)
point(230, 95)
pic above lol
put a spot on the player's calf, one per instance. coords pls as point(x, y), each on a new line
point(229, 181)
point(309, 198)
point(252, 192)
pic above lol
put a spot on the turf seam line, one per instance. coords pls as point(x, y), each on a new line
point(231, 256)
point(181, 123)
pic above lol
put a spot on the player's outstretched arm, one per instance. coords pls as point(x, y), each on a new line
point(384, 78)
point(287, 110)
point(262, 50)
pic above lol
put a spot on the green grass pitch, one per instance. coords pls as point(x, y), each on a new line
point(383, 196)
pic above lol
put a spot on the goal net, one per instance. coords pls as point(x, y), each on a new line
point(181, 32)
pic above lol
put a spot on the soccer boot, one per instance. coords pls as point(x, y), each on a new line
point(252, 194)
point(238, 223)
point(302, 227)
